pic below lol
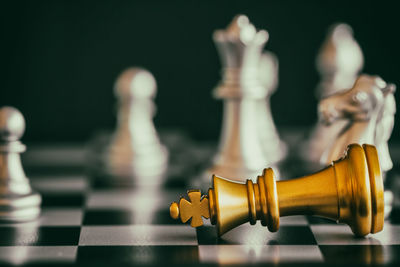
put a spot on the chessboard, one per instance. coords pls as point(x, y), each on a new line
point(90, 225)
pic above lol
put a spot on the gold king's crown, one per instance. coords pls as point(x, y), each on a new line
point(350, 191)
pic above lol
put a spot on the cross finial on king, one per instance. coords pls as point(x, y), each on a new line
point(195, 209)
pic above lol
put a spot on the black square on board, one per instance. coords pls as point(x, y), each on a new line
point(39, 236)
point(163, 255)
point(73, 199)
point(286, 235)
point(361, 254)
point(108, 217)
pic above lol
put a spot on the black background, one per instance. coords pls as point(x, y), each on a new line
point(59, 59)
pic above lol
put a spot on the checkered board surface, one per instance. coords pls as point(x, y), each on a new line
point(89, 226)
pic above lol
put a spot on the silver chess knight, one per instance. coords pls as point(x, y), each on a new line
point(339, 63)
point(368, 110)
point(135, 155)
point(249, 140)
point(18, 202)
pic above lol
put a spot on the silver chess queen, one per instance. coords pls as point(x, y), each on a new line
point(249, 140)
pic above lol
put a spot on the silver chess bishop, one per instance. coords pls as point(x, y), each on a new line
point(135, 155)
point(18, 201)
point(249, 140)
point(339, 63)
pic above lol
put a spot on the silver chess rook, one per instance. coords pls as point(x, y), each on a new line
point(18, 202)
point(249, 140)
point(135, 155)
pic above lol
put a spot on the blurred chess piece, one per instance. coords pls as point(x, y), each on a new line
point(18, 202)
point(135, 155)
point(268, 75)
point(339, 63)
point(249, 139)
point(349, 190)
point(368, 110)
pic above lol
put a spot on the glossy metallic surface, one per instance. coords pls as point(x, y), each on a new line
point(194, 209)
point(350, 191)
point(249, 139)
point(18, 202)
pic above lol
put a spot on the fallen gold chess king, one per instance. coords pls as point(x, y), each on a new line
point(349, 191)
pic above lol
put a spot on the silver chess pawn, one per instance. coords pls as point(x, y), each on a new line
point(249, 140)
point(339, 63)
point(135, 155)
point(18, 202)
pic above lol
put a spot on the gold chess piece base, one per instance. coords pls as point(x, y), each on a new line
point(348, 191)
